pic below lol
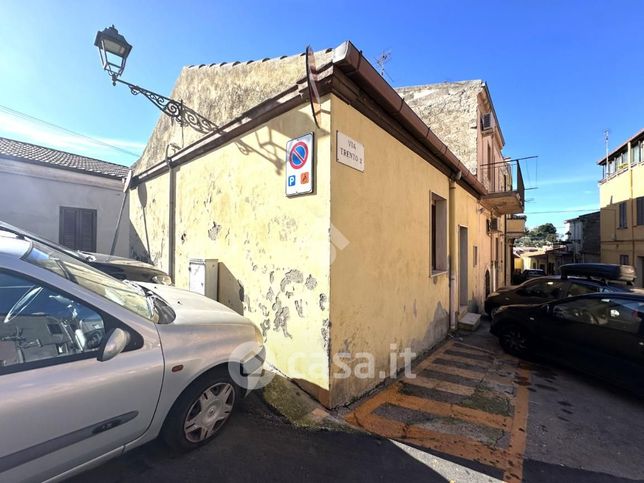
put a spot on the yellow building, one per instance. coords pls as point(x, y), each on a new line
point(390, 245)
point(621, 196)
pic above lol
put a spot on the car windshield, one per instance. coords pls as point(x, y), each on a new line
point(126, 294)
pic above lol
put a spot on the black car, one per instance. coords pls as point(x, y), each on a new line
point(117, 267)
point(532, 273)
point(600, 333)
point(575, 279)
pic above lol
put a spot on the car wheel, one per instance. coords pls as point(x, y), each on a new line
point(515, 341)
point(201, 411)
point(493, 311)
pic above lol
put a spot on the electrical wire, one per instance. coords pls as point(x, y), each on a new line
point(590, 210)
point(22, 115)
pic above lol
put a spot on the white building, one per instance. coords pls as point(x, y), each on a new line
point(67, 198)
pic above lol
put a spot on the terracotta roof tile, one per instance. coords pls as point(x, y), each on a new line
point(21, 151)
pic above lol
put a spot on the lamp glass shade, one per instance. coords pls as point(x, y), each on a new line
point(113, 49)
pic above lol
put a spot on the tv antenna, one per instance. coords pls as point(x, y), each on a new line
point(606, 133)
point(383, 58)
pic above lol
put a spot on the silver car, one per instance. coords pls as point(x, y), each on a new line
point(91, 366)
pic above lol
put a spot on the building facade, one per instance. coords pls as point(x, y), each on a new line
point(70, 199)
point(379, 257)
point(621, 196)
point(462, 115)
point(583, 238)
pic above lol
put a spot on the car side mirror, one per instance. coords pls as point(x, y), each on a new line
point(115, 342)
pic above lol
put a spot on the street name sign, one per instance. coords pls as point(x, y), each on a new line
point(349, 152)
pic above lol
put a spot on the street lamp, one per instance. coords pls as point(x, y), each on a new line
point(114, 51)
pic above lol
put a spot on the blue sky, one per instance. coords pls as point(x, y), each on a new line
point(560, 72)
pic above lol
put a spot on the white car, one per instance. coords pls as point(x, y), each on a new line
point(91, 366)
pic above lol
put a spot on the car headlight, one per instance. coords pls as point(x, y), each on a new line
point(162, 279)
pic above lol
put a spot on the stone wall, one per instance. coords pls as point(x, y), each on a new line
point(450, 110)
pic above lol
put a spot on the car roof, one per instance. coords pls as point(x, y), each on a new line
point(580, 279)
point(12, 245)
point(637, 296)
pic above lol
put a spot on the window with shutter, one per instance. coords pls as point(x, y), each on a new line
point(78, 228)
point(640, 210)
point(622, 215)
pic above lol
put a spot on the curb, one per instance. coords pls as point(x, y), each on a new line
point(302, 411)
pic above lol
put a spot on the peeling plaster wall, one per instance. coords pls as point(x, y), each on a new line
point(381, 290)
point(273, 251)
point(149, 217)
point(221, 93)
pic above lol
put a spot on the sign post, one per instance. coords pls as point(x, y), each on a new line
point(126, 186)
point(299, 165)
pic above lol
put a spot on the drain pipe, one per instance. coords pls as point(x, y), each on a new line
point(453, 304)
point(172, 205)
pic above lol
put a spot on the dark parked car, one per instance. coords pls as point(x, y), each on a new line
point(117, 267)
point(600, 333)
point(532, 273)
point(575, 279)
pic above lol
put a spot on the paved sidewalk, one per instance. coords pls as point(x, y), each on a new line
point(466, 401)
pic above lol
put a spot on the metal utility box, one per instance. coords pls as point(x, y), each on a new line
point(203, 276)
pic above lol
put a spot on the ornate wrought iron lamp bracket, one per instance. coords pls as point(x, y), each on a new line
point(177, 110)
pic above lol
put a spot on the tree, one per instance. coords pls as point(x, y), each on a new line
point(542, 231)
point(539, 236)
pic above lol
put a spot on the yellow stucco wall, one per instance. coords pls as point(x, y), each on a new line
point(382, 292)
point(470, 215)
point(345, 270)
point(273, 251)
point(625, 186)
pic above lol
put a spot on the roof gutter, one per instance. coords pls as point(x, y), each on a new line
point(352, 63)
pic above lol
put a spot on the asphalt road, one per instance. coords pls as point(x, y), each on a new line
point(256, 446)
point(582, 429)
point(579, 431)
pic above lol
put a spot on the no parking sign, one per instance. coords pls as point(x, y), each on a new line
point(299, 165)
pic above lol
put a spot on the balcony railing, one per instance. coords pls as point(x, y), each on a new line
point(515, 226)
point(506, 191)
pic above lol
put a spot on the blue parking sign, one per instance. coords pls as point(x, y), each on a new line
point(291, 180)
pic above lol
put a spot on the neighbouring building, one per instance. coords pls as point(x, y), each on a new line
point(462, 115)
point(384, 252)
point(583, 238)
point(71, 199)
point(550, 259)
point(621, 201)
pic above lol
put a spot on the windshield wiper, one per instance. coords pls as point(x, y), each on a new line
point(86, 256)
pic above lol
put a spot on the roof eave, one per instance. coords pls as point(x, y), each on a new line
point(45, 164)
point(352, 62)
